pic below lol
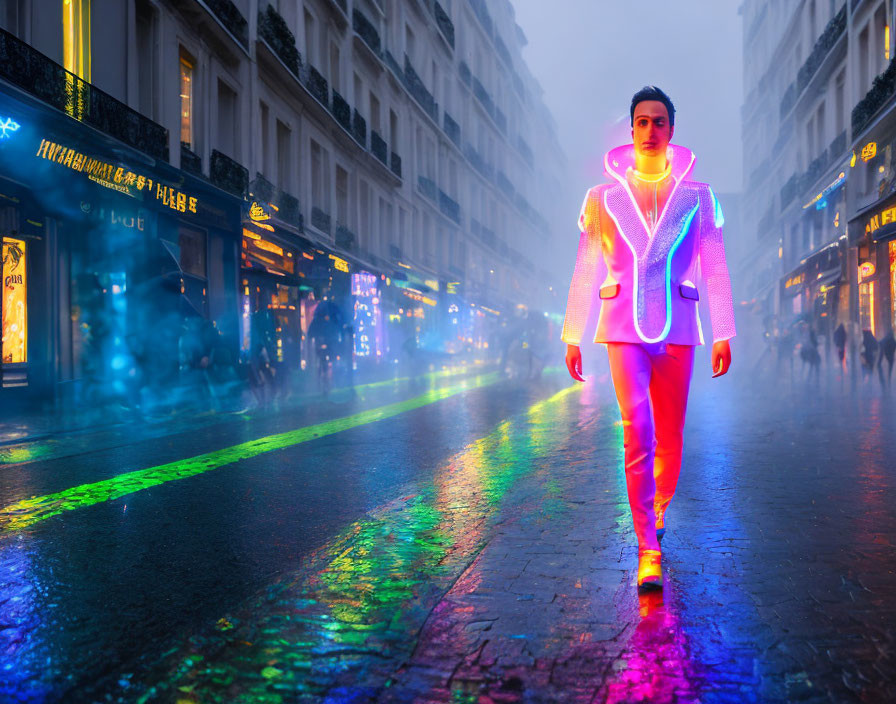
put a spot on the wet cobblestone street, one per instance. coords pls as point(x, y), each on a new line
point(499, 568)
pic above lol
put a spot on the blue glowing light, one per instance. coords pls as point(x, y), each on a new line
point(7, 126)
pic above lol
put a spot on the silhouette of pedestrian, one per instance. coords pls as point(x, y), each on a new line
point(888, 352)
point(869, 353)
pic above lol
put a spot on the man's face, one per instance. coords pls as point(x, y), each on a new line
point(651, 132)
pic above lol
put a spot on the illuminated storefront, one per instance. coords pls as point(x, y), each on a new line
point(875, 248)
point(110, 256)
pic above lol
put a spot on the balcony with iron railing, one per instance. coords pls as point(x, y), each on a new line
point(272, 28)
point(359, 129)
point(230, 17)
point(342, 111)
point(449, 207)
point(229, 175)
point(320, 219)
point(452, 129)
point(428, 188)
point(378, 147)
point(419, 92)
point(365, 29)
point(882, 90)
point(444, 23)
point(36, 74)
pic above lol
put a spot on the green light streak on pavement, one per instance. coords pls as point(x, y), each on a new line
point(27, 512)
point(31, 449)
point(353, 611)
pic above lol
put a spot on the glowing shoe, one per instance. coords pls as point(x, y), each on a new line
point(650, 573)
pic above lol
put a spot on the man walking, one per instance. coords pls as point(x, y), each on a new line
point(659, 233)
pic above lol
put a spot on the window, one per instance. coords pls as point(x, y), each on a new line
point(357, 95)
point(839, 103)
point(186, 100)
point(341, 196)
point(335, 68)
point(309, 37)
point(409, 47)
point(146, 57)
point(881, 35)
point(393, 131)
point(76, 37)
point(320, 177)
point(227, 126)
point(364, 212)
point(192, 245)
point(864, 59)
point(375, 114)
point(265, 140)
point(284, 157)
point(401, 239)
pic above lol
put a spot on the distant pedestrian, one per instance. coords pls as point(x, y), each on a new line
point(888, 352)
point(809, 353)
point(840, 342)
point(869, 353)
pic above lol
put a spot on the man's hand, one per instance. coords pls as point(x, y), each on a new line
point(721, 358)
point(574, 362)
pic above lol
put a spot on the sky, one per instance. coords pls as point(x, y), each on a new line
point(591, 56)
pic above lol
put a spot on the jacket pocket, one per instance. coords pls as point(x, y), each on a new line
point(689, 292)
point(610, 291)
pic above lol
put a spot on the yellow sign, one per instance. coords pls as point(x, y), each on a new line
point(866, 269)
point(795, 280)
point(15, 302)
point(340, 264)
point(257, 213)
point(116, 177)
point(884, 217)
point(869, 151)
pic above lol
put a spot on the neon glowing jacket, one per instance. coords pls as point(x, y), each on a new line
point(650, 291)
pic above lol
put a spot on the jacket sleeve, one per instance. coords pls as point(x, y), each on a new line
point(713, 267)
point(578, 303)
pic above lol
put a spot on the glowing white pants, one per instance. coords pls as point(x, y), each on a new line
point(651, 382)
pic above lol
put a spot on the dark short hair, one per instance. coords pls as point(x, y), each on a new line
point(652, 93)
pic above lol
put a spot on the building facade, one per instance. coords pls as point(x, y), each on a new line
point(394, 157)
point(818, 107)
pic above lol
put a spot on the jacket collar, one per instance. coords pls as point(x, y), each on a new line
point(617, 160)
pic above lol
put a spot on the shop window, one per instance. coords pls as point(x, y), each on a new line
point(15, 301)
point(192, 252)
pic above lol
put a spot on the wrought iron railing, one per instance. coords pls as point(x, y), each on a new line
point(345, 238)
point(378, 147)
point(230, 16)
point(452, 129)
point(366, 30)
point(28, 69)
point(342, 111)
point(428, 187)
point(418, 90)
point(317, 85)
point(444, 23)
point(832, 32)
point(190, 161)
point(272, 28)
point(359, 128)
point(882, 90)
point(395, 164)
point(320, 219)
point(228, 175)
point(465, 74)
point(449, 206)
